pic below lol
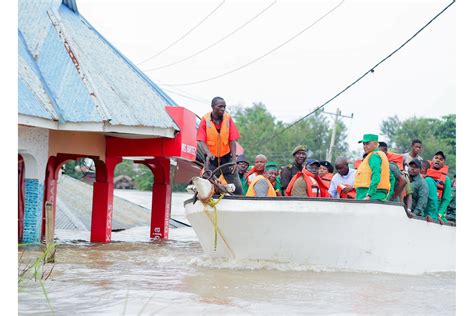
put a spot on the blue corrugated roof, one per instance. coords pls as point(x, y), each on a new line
point(79, 75)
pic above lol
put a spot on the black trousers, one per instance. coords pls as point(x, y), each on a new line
point(226, 172)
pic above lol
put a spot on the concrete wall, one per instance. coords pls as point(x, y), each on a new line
point(76, 143)
point(33, 146)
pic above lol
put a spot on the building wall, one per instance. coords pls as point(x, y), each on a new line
point(68, 142)
point(33, 146)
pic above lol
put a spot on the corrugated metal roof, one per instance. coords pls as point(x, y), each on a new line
point(69, 72)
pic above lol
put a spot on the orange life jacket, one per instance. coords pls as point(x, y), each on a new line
point(349, 195)
point(327, 179)
point(217, 142)
point(253, 170)
point(364, 173)
point(314, 188)
point(251, 190)
point(440, 179)
point(443, 170)
point(397, 159)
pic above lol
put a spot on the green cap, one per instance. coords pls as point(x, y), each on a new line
point(298, 148)
point(271, 165)
point(369, 137)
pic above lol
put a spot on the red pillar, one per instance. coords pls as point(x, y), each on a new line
point(102, 200)
point(161, 197)
point(21, 197)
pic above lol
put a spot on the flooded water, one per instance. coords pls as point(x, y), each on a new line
point(134, 275)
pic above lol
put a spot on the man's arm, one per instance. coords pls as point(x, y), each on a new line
point(399, 188)
point(332, 188)
point(375, 163)
point(445, 198)
point(206, 150)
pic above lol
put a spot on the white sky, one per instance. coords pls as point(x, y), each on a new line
point(418, 80)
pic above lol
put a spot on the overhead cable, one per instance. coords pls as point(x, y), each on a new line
point(215, 43)
point(183, 36)
point(262, 56)
point(371, 70)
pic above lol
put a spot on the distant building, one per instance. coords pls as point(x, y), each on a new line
point(80, 97)
point(124, 182)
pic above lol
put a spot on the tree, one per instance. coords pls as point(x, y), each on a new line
point(436, 134)
point(261, 132)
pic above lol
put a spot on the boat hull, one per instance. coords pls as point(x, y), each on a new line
point(328, 233)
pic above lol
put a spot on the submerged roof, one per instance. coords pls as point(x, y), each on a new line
point(71, 78)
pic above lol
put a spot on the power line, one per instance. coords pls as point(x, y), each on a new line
point(215, 43)
point(262, 56)
point(371, 70)
point(197, 99)
point(183, 36)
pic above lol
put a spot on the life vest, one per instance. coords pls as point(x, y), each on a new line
point(251, 190)
point(364, 173)
point(349, 195)
point(314, 188)
point(327, 179)
point(443, 170)
point(397, 159)
point(440, 179)
point(357, 163)
point(252, 174)
point(217, 142)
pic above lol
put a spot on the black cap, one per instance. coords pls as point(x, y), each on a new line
point(416, 162)
point(328, 165)
point(241, 158)
point(312, 161)
point(441, 154)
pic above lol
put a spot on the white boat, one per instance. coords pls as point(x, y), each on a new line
point(328, 233)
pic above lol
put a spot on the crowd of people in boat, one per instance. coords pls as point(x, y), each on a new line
point(423, 186)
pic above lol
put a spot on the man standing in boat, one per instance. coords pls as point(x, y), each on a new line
point(398, 181)
point(372, 180)
point(217, 134)
point(289, 171)
point(414, 153)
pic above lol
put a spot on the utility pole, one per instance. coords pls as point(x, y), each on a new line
point(333, 136)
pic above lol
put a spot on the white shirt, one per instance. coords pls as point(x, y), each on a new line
point(338, 179)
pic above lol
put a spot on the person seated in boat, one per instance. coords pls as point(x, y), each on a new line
point(417, 201)
point(326, 172)
point(307, 182)
point(438, 174)
point(425, 165)
point(217, 134)
point(398, 181)
point(372, 179)
point(289, 171)
point(262, 185)
point(243, 165)
point(342, 184)
point(277, 183)
point(415, 151)
point(258, 169)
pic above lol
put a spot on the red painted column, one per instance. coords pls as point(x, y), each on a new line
point(161, 197)
point(102, 200)
point(21, 197)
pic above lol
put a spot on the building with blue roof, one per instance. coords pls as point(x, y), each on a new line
point(78, 96)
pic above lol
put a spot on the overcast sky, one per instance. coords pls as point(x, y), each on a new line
point(418, 80)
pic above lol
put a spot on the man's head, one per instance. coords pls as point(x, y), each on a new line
point(416, 147)
point(383, 147)
point(414, 167)
point(242, 164)
point(260, 161)
point(271, 172)
point(313, 166)
point(425, 165)
point(300, 154)
point(218, 107)
point(342, 166)
point(439, 160)
point(369, 142)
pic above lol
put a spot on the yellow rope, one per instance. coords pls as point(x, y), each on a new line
point(213, 204)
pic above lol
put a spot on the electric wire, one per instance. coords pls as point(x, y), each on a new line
point(184, 35)
point(215, 43)
point(371, 70)
point(262, 56)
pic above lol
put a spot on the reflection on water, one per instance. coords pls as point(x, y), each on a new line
point(137, 276)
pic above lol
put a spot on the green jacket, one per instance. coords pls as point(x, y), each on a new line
point(244, 182)
point(431, 208)
point(445, 199)
point(419, 194)
point(375, 163)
